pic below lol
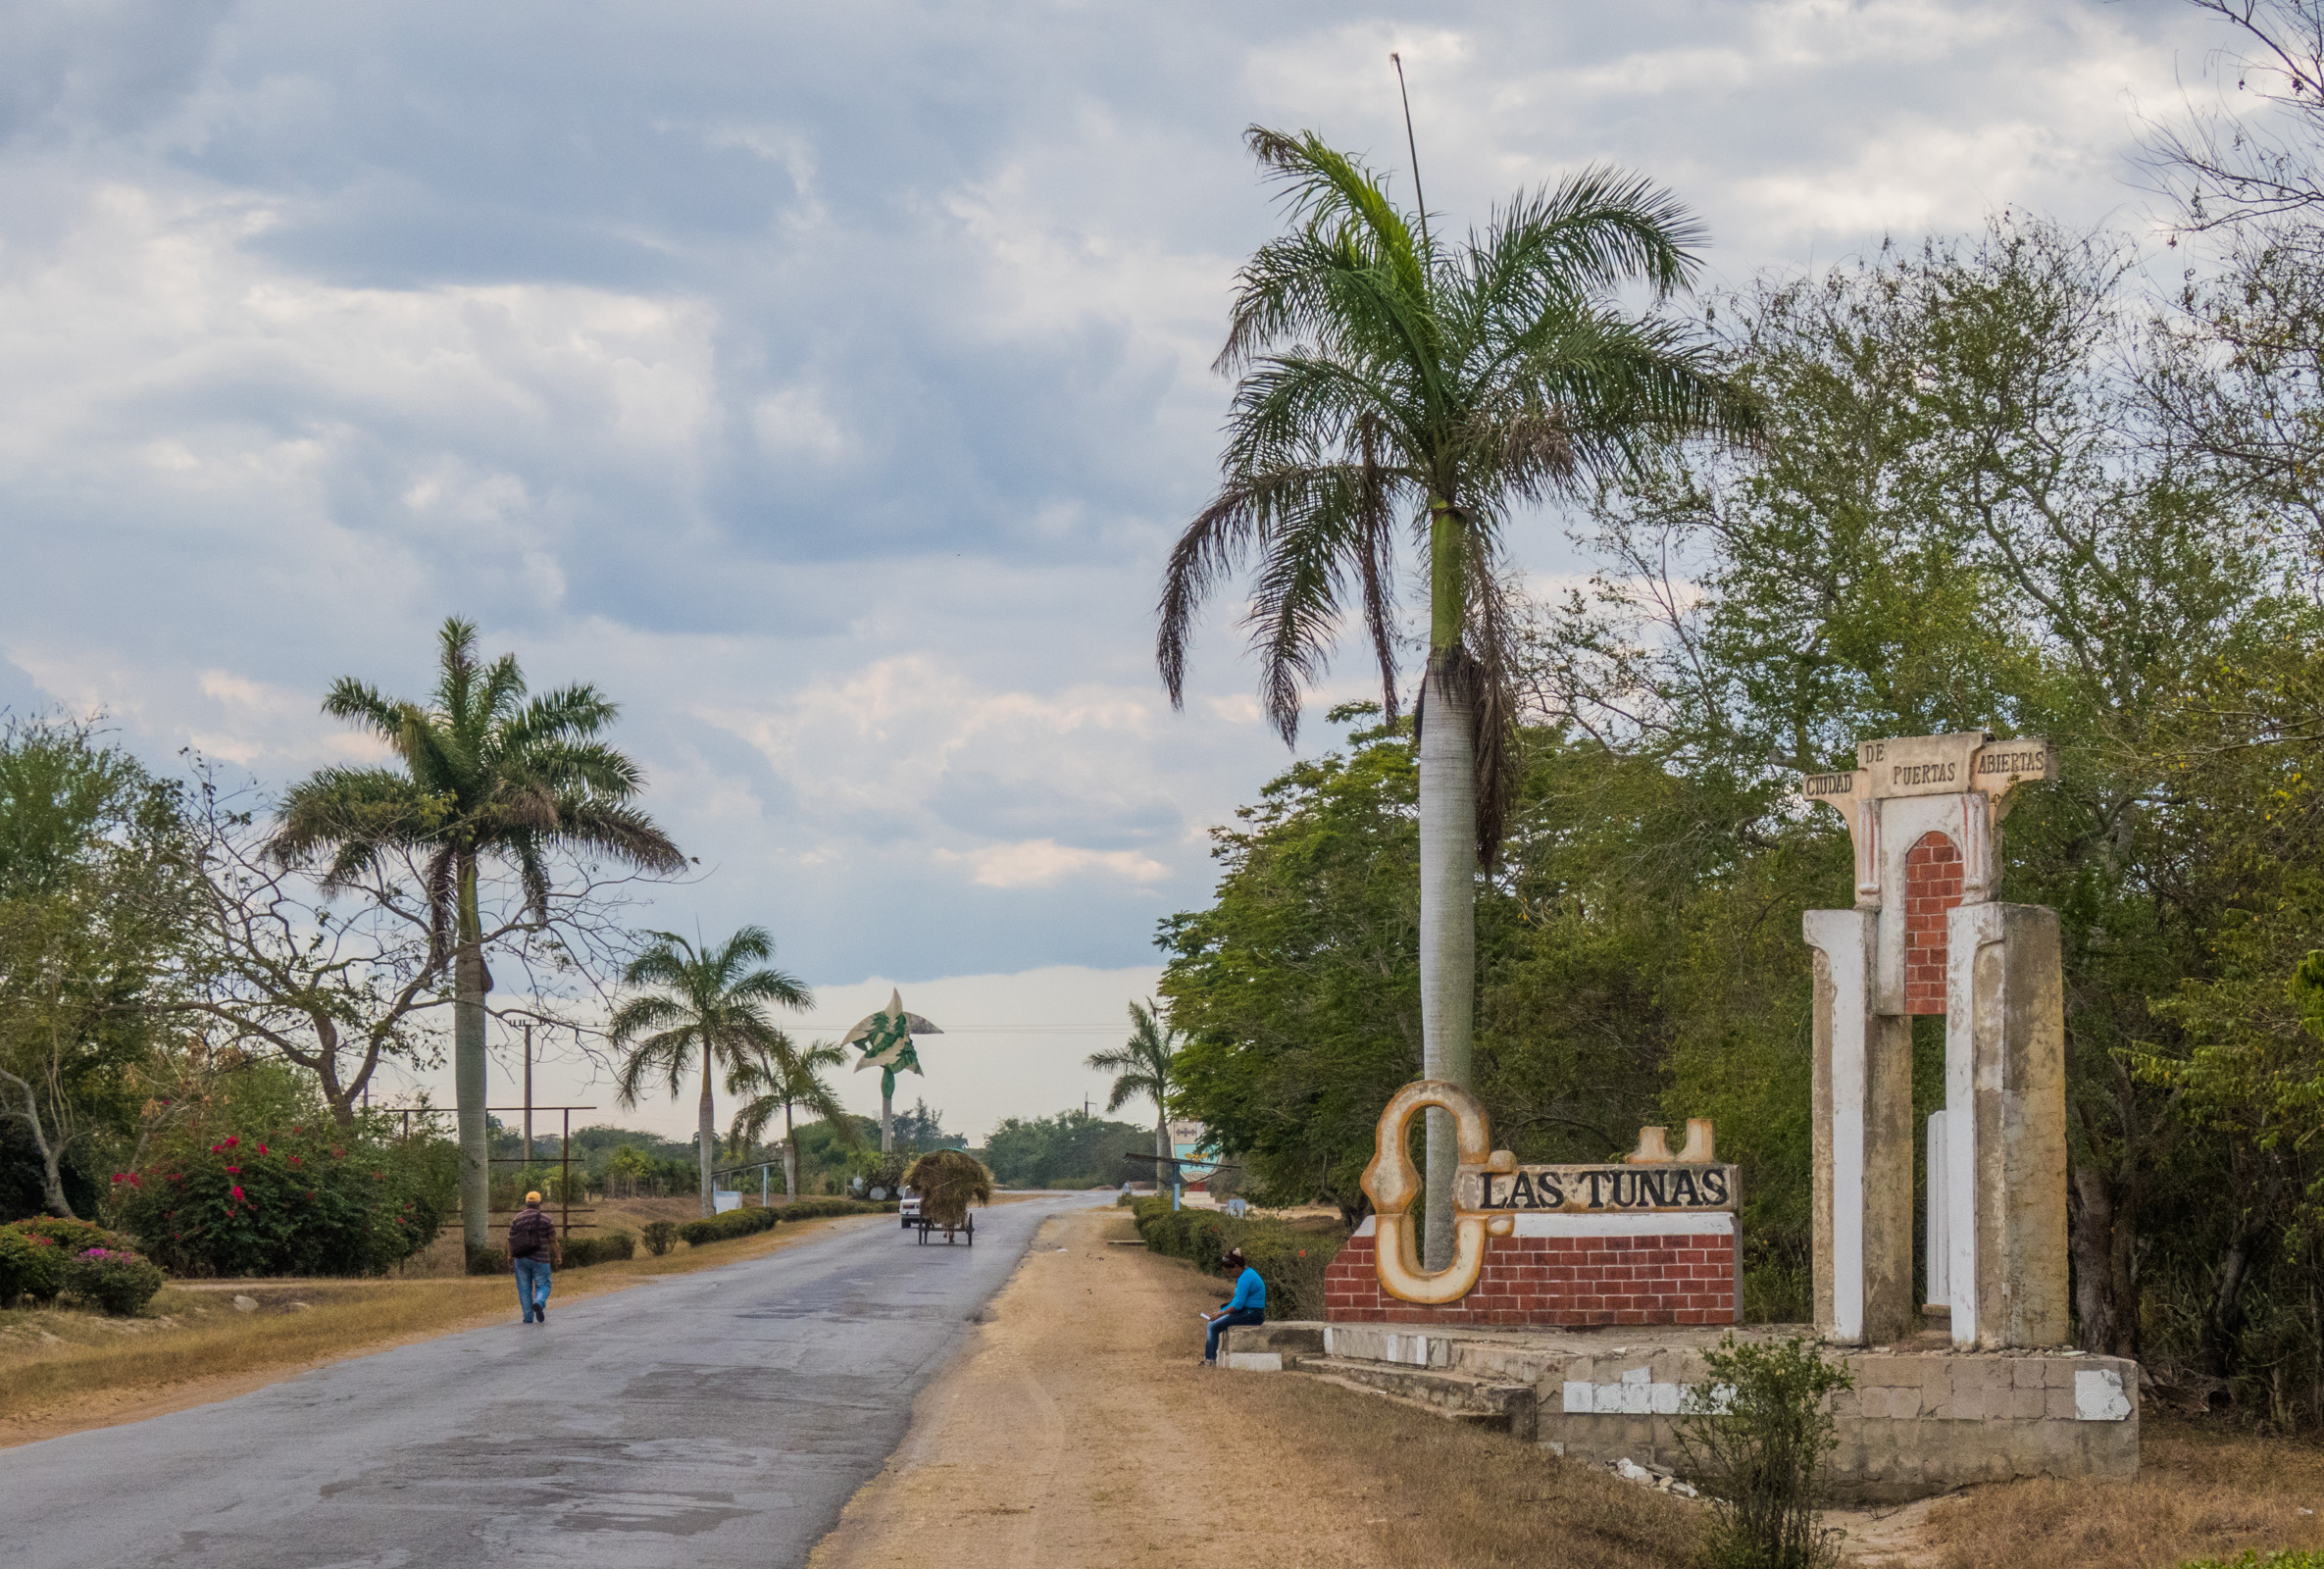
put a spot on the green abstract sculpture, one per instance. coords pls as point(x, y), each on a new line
point(885, 1037)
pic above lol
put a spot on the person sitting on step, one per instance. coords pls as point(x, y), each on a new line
point(1247, 1307)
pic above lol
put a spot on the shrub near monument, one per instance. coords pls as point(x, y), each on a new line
point(1290, 1256)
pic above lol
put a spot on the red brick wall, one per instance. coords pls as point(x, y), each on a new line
point(1933, 869)
point(1558, 1281)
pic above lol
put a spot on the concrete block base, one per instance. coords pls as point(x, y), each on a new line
point(1917, 1423)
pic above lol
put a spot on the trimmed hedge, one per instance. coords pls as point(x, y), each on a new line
point(1291, 1260)
point(583, 1252)
point(2254, 1559)
point(750, 1222)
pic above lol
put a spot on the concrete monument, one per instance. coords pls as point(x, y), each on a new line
point(1928, 937)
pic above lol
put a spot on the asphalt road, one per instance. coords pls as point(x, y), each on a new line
point(702, 1420)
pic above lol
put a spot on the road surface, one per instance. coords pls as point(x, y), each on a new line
point(703, 1420)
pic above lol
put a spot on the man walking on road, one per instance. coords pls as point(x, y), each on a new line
point(532, 1250)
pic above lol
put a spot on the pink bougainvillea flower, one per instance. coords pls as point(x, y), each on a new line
point(237, 1192)
point(233, 1171)
point(116, 1176)
point(233, 1139)
point(262, 1149)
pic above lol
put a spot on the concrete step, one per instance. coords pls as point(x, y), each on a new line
point(1510, 1409)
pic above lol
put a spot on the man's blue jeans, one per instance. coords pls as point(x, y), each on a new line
point(1219, 1325)
point(532, 1286)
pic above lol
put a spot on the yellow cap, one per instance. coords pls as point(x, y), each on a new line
point(532, 1199)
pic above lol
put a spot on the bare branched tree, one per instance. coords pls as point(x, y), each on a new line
point(2226, 167)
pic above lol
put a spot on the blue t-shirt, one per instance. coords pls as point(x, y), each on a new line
point(1250, 1291)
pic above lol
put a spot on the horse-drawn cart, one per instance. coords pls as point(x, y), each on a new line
point(942, 1184)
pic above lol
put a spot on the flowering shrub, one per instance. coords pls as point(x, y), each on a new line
point(113, 1279)
point(305, 1202)
point(33, 1255)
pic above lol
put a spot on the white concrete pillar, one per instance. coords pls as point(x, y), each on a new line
point(1862, 1141)
point(2004, 1089)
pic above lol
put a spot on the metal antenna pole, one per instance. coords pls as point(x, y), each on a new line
point(529, 1092)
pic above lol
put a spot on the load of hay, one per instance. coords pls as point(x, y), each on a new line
point(947, 1182)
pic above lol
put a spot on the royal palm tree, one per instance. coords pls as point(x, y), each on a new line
point(1385, 384)
point(1140, 1065)
point(710, 1010)
point(486, 774)
point(780, 1077)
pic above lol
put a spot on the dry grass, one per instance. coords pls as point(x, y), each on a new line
point(54, 1362)
point(2200, 1492)
point(1446, 1494)
point(1442, 1493)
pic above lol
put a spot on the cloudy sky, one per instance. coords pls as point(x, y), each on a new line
point(826, 382)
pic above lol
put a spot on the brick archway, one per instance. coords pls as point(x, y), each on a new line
point(1933, 871)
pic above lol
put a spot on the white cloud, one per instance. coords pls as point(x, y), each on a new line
point(1044, 863)
point(827, 384)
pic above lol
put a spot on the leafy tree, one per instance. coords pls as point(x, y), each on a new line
point(1142, 1067)
point(1383, 378)
point(1298, 990)
point(783, 1078)
point(922, 1130)
point(486, 775)
point(92, 888)
point(1071, 1147)
point(710, 1010)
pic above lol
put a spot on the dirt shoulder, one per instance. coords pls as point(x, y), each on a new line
point(66, 1371)
point(1078, 1429)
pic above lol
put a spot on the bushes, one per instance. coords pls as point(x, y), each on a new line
point(732, 1223)
point(583, 1252)
point(824, 1208)
point(113, 1279)
point(2254, 1559)
point(1755, 1437)
point(310, 1202)
point(487, 1261)
point(661, 1235)
point(1290, 1258)
point(750, 1222)
point(34, 1253)
point(46, 1255)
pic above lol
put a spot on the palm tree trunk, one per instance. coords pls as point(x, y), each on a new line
point(709, 1131)
point(790, 1155)
point(1161, 1148)
point(468, 1066)
point(1447, 876)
